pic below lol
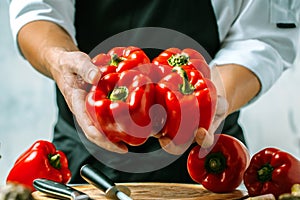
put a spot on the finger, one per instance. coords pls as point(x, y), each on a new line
point(91, 132)
point(169, 146)
point(204, 138)
point(222, 106)
point(220, 115)
point(81, 64)
point(217, 79)
point(95, 136)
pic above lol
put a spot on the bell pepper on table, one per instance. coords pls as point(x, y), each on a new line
point(221, 167)
point(41, 160)
point(119, 106)
point(119, 59)
point(188, 58)
point(271, 171)
point(189, 100)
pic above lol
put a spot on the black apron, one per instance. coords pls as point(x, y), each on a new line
point(97, 20)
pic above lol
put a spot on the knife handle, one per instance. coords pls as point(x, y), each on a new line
point(101, 181)
point(55, 188)
point(96, 177)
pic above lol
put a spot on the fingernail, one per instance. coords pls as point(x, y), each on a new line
point(201, 133)
point(92, 75)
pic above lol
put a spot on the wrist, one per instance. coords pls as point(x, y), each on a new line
point(240, 85)
point(52, 58)
point(49, 41)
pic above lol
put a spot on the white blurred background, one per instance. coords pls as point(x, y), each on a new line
point(27, 101)
point(28, 111)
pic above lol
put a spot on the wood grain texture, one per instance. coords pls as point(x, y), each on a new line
point(157, 191)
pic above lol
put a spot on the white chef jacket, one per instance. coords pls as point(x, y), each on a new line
point(248, 31)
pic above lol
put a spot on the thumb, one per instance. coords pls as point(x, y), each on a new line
point(204, 138)
point(89, 72)
point(92, 74)
point(85, 68)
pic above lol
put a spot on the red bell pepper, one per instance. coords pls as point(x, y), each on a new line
point(189, 100)
point(153, 71)
point(41, 160)
point(188, 57)
point(272, 171)
point(103, 62)
point(119, 59)
point(119, 106)
point(220, 168)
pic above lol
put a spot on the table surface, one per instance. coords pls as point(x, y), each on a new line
point(157, 191)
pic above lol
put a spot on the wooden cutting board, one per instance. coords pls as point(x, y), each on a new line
point(157, 191)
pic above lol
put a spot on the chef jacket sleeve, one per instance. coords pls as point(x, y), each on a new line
point(60, 12)
point(263, 36)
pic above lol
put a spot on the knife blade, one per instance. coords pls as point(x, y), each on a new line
point(59, 190)
point(101, 181)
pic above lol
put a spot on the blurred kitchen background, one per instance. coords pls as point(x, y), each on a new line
point(28, 111)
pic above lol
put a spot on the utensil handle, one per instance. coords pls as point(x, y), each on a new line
point(96, 177)
point(55, 188)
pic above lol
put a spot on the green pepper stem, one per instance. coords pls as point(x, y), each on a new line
point(55, 161)
point(295, 189)
point(215, 163)
point(264, 174)
point(115, 60)
point(186, 87)
point(119, 93)
point(178, 60)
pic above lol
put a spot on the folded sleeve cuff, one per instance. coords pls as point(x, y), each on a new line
point(59, 12)
point(257, 56)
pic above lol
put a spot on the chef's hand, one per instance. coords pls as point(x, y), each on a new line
point(204, 137)
point(73, 73)
point(54, 54)
point(236, 86)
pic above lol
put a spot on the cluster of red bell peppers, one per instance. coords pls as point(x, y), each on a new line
point(122, 106)
point(136, 98)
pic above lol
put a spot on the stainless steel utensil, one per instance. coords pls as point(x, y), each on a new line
point(59, 190)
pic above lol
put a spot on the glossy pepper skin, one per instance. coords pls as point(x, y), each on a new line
point(271, 171)
point(119, 106)
point(119, 59)
point(188, 58)
point(220, 168)
point(41, 160)
point(189, 100)
point(153, 71)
